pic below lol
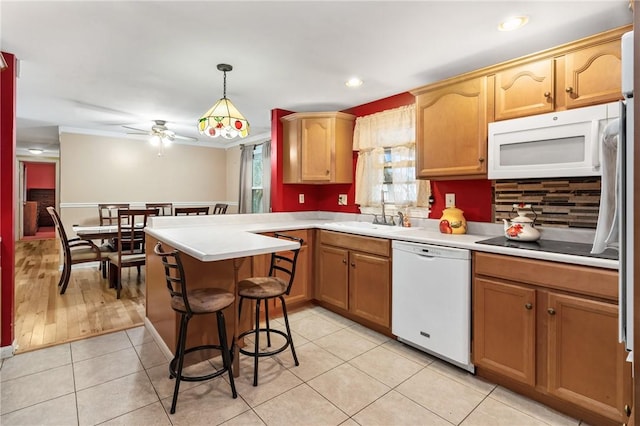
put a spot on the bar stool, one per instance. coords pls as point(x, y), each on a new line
point(263, 289)
point(188, 303)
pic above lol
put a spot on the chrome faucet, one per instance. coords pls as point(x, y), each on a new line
point(384, 214)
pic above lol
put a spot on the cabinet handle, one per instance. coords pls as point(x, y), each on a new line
point(528, 306)
point(344, 261)
point(353, 264)
point(547, 94)
point(481, 160)
point(327, 172)
point(551, 311)
point(569, 89)
point(627, 410)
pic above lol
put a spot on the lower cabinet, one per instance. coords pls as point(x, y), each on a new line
point(303, 280)
point(553, 332)
point(354, 275)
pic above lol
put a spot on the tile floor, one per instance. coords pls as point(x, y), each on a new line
point(348, 375)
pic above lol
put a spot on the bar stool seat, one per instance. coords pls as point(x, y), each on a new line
point(261, 289)
point(188, 303)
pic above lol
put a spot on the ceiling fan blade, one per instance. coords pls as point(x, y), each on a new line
point(146, 132)
point(185, 138)
point(139, 133)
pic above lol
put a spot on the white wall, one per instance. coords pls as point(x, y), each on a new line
point(101, 169)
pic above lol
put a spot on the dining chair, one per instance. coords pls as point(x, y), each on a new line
point(263, 289)
point(74, 251)
point(188, 211)
point(220, 208)
point(164, 209)
point(130, 244)
point(187, 303)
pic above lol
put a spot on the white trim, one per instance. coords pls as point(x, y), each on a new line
point(156, 336)
point(8, 351)
point(142, 203)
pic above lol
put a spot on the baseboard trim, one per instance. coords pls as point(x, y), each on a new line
point(8, 351)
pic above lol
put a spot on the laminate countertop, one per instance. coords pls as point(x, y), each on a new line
point(219, 237)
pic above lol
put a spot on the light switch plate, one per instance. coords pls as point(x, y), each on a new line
point(342, 199)
point(301, 198)
point(449, 200)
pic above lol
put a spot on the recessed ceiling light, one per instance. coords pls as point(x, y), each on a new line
point(36, 151)
point(513, 23)
point(354, 82)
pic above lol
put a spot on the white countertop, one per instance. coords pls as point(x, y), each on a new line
point(218, 237)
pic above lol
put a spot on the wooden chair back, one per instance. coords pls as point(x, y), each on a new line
point(220, 208)
point(109, 212)
point(284, 262)
point(131, 236)
point(191, 210)
point(164, 209)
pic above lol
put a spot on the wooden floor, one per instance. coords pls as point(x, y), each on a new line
point(43, 317)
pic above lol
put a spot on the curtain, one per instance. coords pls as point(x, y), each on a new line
point(385, 142)
point(246, 179)
point(266, 177)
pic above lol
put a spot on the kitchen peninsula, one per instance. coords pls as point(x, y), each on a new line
point(545, 293)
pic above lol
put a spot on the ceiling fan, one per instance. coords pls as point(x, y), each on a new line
point(160, 134)
point(160, 129)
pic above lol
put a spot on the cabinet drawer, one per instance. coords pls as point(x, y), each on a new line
point(372, 245)
point(585, 280)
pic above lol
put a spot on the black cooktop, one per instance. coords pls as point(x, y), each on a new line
point(552, 246)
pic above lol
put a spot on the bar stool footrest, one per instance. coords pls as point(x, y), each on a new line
point(261, 354)
point(172, 365)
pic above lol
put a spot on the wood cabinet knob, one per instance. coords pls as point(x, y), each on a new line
point(551, 311)
point(547, 94)
point(528, 306)
point(344, 261)
point(327, 172)
point(569, 89)
point(353, 264)
point(481, 160)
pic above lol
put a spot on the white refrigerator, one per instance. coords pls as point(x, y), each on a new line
point(615, 218)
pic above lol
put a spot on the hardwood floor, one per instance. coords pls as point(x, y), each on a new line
point(43, 317)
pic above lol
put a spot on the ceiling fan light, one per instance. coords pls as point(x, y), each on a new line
point(155, 140)
point(223, 119)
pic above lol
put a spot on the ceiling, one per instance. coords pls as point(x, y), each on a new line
point(95, 66)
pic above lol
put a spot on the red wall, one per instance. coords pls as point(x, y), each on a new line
point(7, 196)
point(472, 196)
point(40, 175)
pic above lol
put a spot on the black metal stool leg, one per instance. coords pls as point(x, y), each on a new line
point(184, 320)
point(286, 323)
point(226, 354)
point(266, 319)
point(257, 344)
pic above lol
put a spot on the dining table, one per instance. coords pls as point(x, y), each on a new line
point(97, 232)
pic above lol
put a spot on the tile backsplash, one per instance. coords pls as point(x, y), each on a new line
point(562, 202)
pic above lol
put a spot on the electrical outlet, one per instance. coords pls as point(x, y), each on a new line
point(342, 199)
point(450, 200)
point(301, 198)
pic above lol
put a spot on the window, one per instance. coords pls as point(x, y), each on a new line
point(256, 180)
point(386, 163)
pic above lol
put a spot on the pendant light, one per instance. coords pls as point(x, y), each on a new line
point(224, 119)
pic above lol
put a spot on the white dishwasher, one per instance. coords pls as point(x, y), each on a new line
point(431, 300)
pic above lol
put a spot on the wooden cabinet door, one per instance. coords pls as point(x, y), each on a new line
point(524, 90)
point(316, 147)
point(586, 363)
point(451, 131)
point(592, 75)
point(370, 287)
point(332, 286)
point(504, 317)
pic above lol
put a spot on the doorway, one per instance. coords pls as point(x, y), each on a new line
point(37, 191)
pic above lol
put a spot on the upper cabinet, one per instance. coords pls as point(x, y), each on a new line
point(524, 90)
point(451, 129)
point(582, 77)
point(318, 147)
point(453, 114)
point(593, 75)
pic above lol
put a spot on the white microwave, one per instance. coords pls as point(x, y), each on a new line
point(559, 144)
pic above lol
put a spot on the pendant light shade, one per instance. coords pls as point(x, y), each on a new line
point(224, 119)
